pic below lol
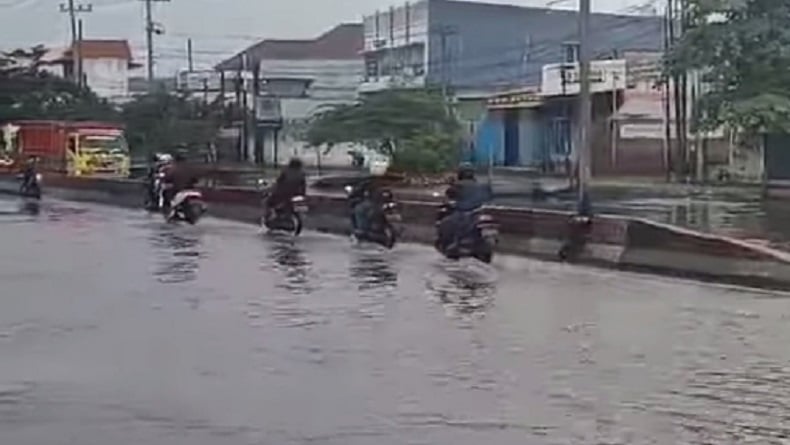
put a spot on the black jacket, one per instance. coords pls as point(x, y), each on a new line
point(290, 183)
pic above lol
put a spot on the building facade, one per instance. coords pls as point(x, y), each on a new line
point(490, 47)
point(106, 66)
point(297, 78)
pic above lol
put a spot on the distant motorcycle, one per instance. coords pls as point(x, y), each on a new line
point(31, 186)
point(286, 218)
point(384, 225)
point(188, 205)
point(480, 235)
point(155, 199)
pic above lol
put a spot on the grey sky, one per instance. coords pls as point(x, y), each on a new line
point(217, 27)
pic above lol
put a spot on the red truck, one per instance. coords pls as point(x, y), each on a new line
point(73, 148)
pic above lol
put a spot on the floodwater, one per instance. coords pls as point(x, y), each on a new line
point(739, 213)
point(118, 329)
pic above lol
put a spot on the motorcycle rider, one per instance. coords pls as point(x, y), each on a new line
point(366, 197)
point(468, 195)
point(291, 182)
point(178, 177)
point(29, 172)
point(157, 163)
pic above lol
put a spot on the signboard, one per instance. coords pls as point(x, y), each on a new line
point(198, 81)
point(267, 109)
point(657, 130)
point(284, 87)
point(563, 78)
point(654, 130)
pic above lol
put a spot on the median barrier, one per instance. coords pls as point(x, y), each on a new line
point(614, 241)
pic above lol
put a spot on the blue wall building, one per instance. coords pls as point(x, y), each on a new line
point(489, 48)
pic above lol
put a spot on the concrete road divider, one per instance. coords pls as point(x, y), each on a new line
point(613, 241)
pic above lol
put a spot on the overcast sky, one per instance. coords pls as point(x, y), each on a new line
point(218, 27)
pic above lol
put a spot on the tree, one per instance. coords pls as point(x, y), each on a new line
point(28, 92)
point(742, 49)
point(161, 122)
point(413, 127)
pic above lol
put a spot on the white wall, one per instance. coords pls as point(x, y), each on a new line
point(108, 78)
point(334, 82)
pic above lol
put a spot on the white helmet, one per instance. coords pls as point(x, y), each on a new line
point(165, 157)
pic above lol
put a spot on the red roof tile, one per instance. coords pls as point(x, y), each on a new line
point(344, 42)
point(102, 49)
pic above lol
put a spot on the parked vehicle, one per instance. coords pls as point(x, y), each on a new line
point(286, 218)
point(479, 235)
point(74, 148)
point(188, 205)
point(385, 220)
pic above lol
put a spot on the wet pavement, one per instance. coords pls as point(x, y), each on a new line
point(118, 329)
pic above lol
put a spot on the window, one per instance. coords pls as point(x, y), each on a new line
point(570, 52)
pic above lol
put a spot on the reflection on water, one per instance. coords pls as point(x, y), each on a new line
point(373, 271)
point(180, 254)
point(463, 289)
point(292, 263)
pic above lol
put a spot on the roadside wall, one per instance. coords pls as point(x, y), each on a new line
point(615, 242)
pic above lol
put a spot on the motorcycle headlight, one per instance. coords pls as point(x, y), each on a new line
point(348, 189)
point(39, 177)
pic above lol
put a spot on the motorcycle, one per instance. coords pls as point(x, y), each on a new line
point(188, 205)
point(155, 199)
point(31, 186)
point(286, 218)
point(384, 225)
point(480, 237)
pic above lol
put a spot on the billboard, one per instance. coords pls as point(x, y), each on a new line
point(605, 75)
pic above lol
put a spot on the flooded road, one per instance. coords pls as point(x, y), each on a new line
point(118, 329)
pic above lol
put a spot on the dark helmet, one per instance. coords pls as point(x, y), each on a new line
point(295, 163)
point(154, 157)
point(465, 171)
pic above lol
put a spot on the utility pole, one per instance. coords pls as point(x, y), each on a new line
point(78, 52)
point(150, 30)
point(73, 9)
point(190, 63)
point(444, 32)
point(585, 109)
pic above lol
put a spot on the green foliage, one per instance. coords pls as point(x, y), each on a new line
point(26, 92)
point(428, 152)
point(742, 49)
point(414, 127)
point(161, 122)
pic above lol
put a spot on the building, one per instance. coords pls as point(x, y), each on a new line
point(106, 66)
point(470, 46)
point(292, 79)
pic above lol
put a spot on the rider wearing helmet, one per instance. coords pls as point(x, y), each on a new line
point(468, 195)
point(366, 197)
point(291, 182)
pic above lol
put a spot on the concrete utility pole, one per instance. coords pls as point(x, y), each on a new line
point(445, 31)
point(78, 51)
point(73, 9)
point(150, 29)
point(585, 107)
point(190, 63)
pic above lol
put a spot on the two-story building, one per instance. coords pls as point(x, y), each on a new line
point(296, 79)
point(476, 50)
point(106, 66)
